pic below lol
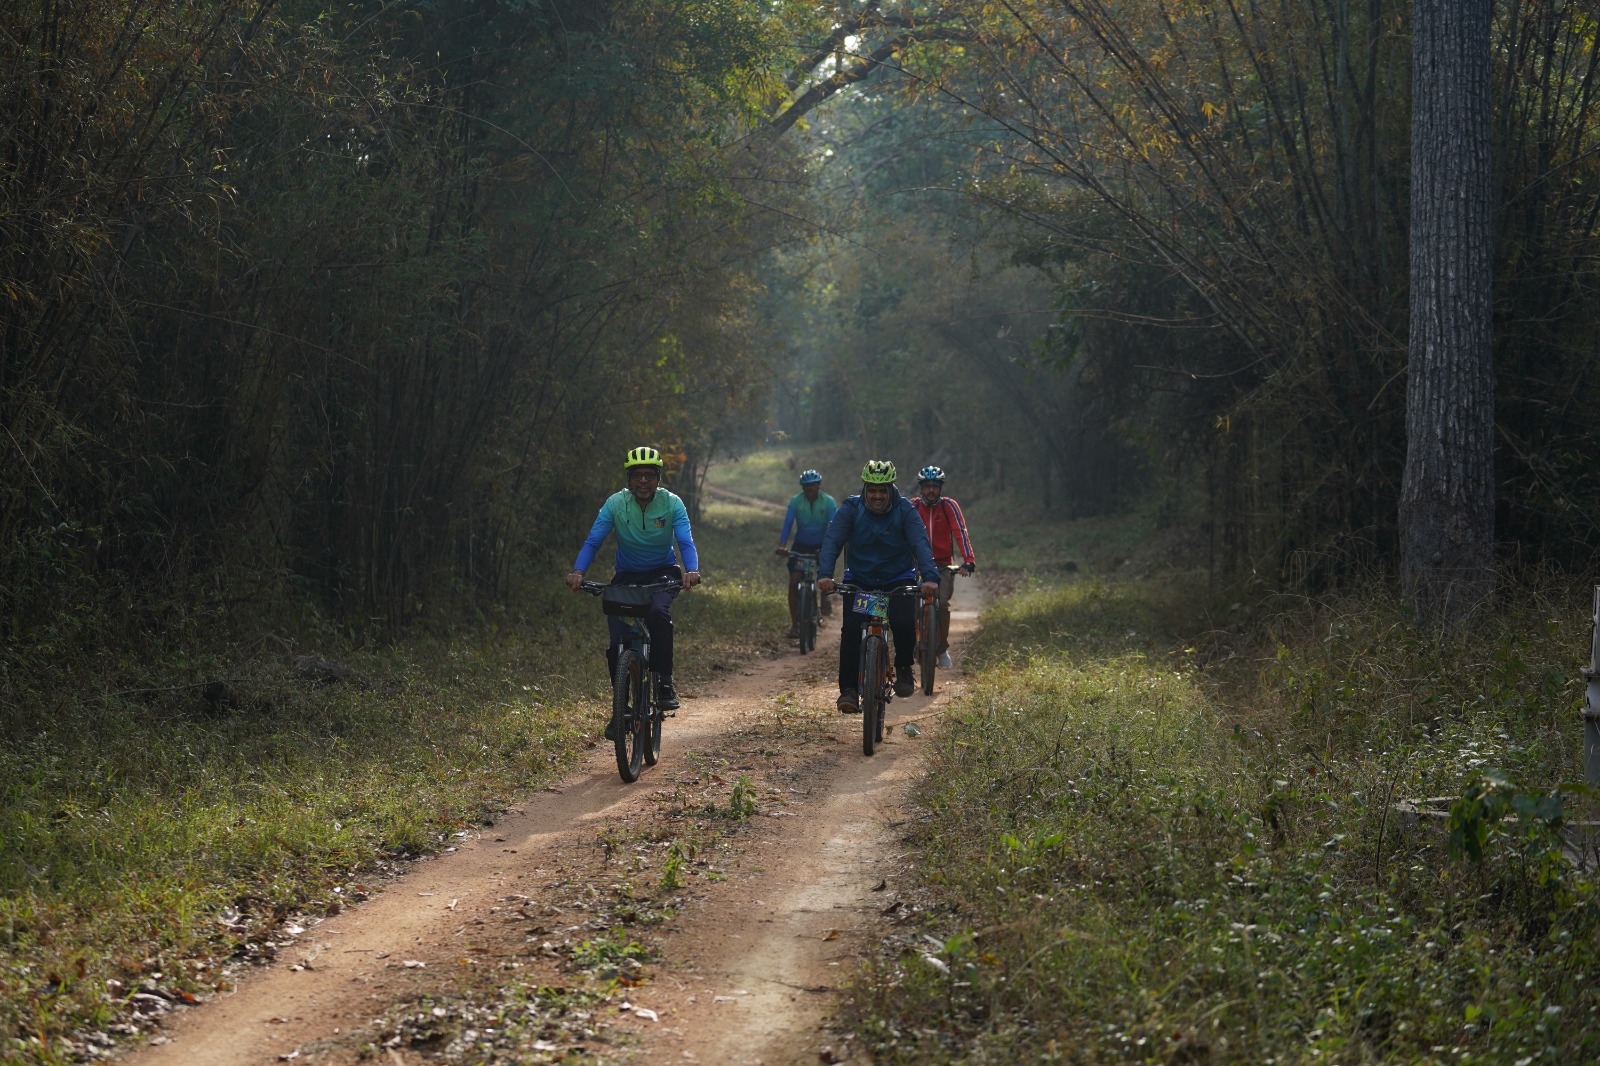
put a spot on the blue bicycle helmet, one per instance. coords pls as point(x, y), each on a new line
point(810, 477)
point(930, 473)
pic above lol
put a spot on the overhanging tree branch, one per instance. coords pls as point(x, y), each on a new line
point(861, 67)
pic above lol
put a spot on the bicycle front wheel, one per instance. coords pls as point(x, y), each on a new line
point(808, 618)
point(928, 642)
point(629, 713)
point(872, 678)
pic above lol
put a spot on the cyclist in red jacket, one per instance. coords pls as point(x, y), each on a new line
point(947, 533)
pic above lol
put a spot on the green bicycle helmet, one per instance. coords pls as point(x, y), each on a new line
point(878, 472)
point(642, 456)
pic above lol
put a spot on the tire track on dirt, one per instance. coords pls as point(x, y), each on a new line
point(747, 969)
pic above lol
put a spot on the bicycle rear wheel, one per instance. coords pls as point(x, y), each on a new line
point(885, 693)
point(628, 713)
point(654, 715)
point(872, 677)
point(808, 618)
point(928, 642)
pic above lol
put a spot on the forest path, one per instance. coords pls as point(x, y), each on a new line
point(748, 963)
point(722, 495)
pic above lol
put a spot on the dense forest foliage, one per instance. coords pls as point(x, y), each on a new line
point(1218, 194)
point(344, 301)
point(352, 305)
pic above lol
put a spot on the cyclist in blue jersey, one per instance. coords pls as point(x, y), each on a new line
point(810, 511)
point(888, 547)
point(647, 521)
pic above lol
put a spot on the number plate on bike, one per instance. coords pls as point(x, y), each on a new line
point(874, 604)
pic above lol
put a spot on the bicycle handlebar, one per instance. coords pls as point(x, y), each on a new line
point(901, 590)
point(595, 588)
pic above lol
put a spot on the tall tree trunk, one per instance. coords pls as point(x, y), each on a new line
point(1447, 498)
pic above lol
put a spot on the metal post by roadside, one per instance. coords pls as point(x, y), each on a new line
point(1591, 701)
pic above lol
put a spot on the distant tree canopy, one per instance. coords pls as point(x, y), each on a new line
point(359, 304)
point(1220, 191)
point(1236, 176)
point(918, 333)
point(365, 300)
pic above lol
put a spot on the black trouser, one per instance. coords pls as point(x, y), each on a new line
point(902, 621)
point(658, 621)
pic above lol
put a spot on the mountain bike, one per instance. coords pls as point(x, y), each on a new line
point(928, 630)
point(873, 686)
point(636, 717)
point(809, 608)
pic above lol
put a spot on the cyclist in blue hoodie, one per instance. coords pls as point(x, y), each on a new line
point(888, 547)
point(647, 521)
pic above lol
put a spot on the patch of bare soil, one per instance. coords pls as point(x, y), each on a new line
point(717, 492)
point(707, 913)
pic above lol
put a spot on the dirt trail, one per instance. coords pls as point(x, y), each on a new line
point(716, 492)
point(748, 966)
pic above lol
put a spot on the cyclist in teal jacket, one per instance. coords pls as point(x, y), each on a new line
point(810, 511)
point(888, 547)
point(647, 520)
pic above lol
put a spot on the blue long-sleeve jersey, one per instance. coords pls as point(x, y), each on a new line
point(885, 549)
point(645, 535)
point(809, 520)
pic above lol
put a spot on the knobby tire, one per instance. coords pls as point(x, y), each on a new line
point(927, 641)
point(885, 691)
point(628, 713)
point(808, 618)
point(654, 715)
point(872, 676)
point(652, 751)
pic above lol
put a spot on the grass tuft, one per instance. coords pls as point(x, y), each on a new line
point(1150, 845)
point(154, 839)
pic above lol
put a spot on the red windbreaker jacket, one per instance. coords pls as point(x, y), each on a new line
point(947, 530)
